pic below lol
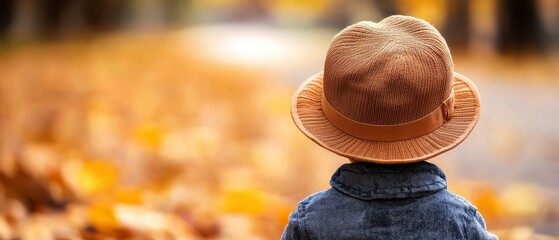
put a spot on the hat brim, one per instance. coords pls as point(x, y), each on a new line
point(307, 114)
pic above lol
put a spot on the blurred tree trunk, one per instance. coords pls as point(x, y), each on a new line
point(336, 15)
point(457, 26)
point(6, 17)
point(519, 27)
point(386, 8)
point(104, 15)
point(51, 14)
point(174, 11)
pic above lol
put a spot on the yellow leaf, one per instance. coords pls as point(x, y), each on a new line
point(149, 135)
point(102, 215)
point(488, 202)
point(96, 176)
point(310, 6)
point(249, 201)
point(433, 11)
point(129, 196)
point(282, 213)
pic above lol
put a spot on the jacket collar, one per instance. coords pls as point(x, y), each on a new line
point(369, 181)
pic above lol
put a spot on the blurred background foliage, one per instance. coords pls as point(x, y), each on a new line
point(169, 119)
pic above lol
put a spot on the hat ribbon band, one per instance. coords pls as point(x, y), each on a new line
point(390, 133)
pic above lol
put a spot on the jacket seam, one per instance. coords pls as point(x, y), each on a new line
point(303, 228)
point(438, 173)
point(409, 186)
point(299, 221)
point(388, 171)
point(469, 220)
point(361, 193)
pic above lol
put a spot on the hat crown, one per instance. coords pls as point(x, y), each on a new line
point(393, 72)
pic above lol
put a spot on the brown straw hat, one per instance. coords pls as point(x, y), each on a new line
point(388, 94)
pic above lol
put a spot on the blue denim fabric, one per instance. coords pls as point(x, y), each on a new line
point(373, 201)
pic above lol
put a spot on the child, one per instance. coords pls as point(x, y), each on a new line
point(388, 99)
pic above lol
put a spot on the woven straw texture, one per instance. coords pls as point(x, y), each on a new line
point(393, 72)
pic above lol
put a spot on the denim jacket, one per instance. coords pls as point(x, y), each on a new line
point(373, 201)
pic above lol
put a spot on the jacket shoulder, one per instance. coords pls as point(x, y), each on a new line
point(474, 224)
point(457, 201)
point(297, 225)
point(315, 197)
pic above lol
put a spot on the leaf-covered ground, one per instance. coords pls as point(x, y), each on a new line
point(135, 137)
